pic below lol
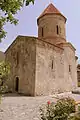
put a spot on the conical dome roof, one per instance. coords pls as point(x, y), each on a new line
point(51, 9)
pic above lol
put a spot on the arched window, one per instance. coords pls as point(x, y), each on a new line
point(57, 28)
point(17, 84)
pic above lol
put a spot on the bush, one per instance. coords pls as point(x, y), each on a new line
point(4, 73)
point(75, 116)
point(59, 111)
point(78, 84)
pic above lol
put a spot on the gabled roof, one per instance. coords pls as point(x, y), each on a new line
point(51, 9)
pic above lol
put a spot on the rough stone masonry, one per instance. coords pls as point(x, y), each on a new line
point(46, 64)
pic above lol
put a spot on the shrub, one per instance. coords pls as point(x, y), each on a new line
point(78, 84)
point(4, 73)
point(59, 111)
point(75, 116)
point(47, 111)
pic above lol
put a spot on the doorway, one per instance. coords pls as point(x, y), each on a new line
point(17, 84)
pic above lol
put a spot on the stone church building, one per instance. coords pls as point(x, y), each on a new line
point(46, 64)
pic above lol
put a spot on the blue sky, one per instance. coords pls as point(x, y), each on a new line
point(28, 21)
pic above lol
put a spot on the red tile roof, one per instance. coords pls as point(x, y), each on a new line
point(51, 9)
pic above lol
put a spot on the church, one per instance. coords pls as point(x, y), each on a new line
point(46, 64)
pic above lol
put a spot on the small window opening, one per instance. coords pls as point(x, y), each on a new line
point(52, 64)
point(17, 84)
point(42, 32)
point(17, 58)
point(69, 68)
point(57, 29)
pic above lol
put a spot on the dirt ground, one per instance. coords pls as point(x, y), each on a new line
point(15, 107)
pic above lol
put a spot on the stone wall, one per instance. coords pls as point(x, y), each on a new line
point(70, 68)
point(49, 69)
point(52, 69)
point(21, 55)
point(49, 24)
point(42, 68)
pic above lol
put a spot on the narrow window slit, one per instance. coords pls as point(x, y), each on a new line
point(17, 58)
point(57, 29)
point(52, 64)
point(69, 68)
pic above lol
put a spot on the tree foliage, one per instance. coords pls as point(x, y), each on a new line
point(8, 8)
point(4, 73)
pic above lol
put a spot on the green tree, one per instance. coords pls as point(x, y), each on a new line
point(4, 72)
point(8, 8)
